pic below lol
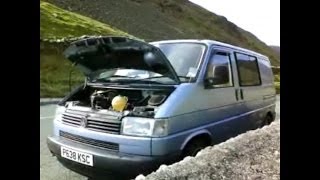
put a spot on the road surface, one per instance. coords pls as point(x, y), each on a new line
point(50, 168)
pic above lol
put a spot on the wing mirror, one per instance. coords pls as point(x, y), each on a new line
point(221, 76)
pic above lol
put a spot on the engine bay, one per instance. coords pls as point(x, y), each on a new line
point(133, 102)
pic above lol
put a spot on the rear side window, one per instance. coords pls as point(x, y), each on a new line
point(248, 70)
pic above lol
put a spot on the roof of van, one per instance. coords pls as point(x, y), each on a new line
point(212, 42)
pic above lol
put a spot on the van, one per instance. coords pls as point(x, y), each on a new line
point(147, 104)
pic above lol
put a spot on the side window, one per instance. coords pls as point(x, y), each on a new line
point(219, 72)
point(248, 70)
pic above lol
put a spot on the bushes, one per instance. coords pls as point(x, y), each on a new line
point(170, 5)
point(277, 86)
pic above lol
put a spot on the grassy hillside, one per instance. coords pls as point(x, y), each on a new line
point(276, 49)
point(167, 19)
point(58, 23)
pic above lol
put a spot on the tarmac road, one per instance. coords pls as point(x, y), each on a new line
point(50, 168)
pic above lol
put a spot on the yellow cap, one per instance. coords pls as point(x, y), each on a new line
point(119, 103)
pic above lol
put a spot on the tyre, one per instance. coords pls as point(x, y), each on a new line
point(194, 147)
point(267, 120)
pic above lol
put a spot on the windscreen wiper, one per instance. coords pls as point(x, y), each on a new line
point(120, 81)
point(155, 77)
point(106, 79)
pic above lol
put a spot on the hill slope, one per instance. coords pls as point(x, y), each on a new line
point(276, 49)
point(167, 19)
point(58, 23)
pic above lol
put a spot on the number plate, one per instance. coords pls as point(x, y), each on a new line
point(77, 156)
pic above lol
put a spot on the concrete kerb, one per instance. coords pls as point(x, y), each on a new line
point(46, 101)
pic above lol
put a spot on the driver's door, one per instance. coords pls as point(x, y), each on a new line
point(221, 94)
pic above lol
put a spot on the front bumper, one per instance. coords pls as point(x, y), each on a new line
point(106, 162)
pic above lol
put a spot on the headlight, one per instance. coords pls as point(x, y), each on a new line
point(144, 127)
point(59, 111)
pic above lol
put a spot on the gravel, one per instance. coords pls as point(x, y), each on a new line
point(254, 155)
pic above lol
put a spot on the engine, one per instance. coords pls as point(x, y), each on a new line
point(102, 99)
point(131, 101)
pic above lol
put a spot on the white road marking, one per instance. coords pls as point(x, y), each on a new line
point(47, 117)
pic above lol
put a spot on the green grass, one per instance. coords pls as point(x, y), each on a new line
point(54, 75)
point(277, 86)
point(277, 77)
point(56, 23)
point(277, 83)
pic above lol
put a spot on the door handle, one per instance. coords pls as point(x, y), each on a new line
point(236, 92)
point(241, 94)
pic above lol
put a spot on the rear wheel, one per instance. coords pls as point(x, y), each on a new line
point(267, 120)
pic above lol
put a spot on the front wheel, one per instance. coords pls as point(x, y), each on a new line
point(194, 147)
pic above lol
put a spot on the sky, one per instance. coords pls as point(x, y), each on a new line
point(260, 17)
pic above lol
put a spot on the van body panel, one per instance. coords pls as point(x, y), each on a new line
point(218, 130)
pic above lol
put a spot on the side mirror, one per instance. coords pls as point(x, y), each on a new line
point(221, 76)
point(208, 82)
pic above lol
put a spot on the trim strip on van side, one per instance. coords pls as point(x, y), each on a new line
point(219, 122)
point(269, 96)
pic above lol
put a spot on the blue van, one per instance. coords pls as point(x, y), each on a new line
point(147, 104)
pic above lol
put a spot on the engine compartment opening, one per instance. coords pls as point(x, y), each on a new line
point(133, 102)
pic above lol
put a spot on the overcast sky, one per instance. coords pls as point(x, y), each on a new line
point(260, 17)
